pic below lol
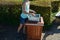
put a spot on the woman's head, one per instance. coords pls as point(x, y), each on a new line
point(25, 0)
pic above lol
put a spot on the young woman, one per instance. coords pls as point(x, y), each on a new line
point(25, 12)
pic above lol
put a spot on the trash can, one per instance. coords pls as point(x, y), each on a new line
point(34, 31)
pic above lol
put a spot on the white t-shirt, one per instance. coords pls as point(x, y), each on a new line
point(24, 15)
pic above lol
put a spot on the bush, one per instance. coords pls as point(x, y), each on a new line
point(45, 13)
point(9, 14)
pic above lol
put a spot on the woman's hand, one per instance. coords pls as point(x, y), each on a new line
point(33, 14)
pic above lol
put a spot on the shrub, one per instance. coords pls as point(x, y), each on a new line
point(9, 14)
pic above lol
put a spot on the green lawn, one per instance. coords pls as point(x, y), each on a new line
point(37, 3)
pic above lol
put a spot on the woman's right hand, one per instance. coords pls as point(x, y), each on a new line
point(33, 14)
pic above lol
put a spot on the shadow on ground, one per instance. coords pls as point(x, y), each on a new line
point(8, 32)
point(53, 30)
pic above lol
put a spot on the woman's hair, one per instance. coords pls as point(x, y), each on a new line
point(24, 0)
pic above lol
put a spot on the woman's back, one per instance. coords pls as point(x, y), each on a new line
point(27, 6)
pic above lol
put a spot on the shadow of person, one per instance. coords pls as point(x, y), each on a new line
point(53, 30)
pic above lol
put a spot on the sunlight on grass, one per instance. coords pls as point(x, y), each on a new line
point(52, 16)
point(35, 2)
point(41, 3)
point(17, 1)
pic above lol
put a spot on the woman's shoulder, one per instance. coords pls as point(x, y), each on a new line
point(28, 2)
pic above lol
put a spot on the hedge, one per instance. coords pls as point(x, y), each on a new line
point(9, 14)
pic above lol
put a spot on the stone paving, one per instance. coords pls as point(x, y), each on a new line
point(53, 33)
point(8, 32)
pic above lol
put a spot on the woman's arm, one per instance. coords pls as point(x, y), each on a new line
point(32, 11)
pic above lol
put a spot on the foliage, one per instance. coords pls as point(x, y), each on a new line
point(9, 14)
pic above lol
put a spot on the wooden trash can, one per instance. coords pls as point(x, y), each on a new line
point(34, 31)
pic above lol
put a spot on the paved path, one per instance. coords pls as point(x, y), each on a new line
point(53, 33)
point(8, 32)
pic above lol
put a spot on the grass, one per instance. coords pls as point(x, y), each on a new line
point(18, 2)
point(52, 17)
point(37, 3)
